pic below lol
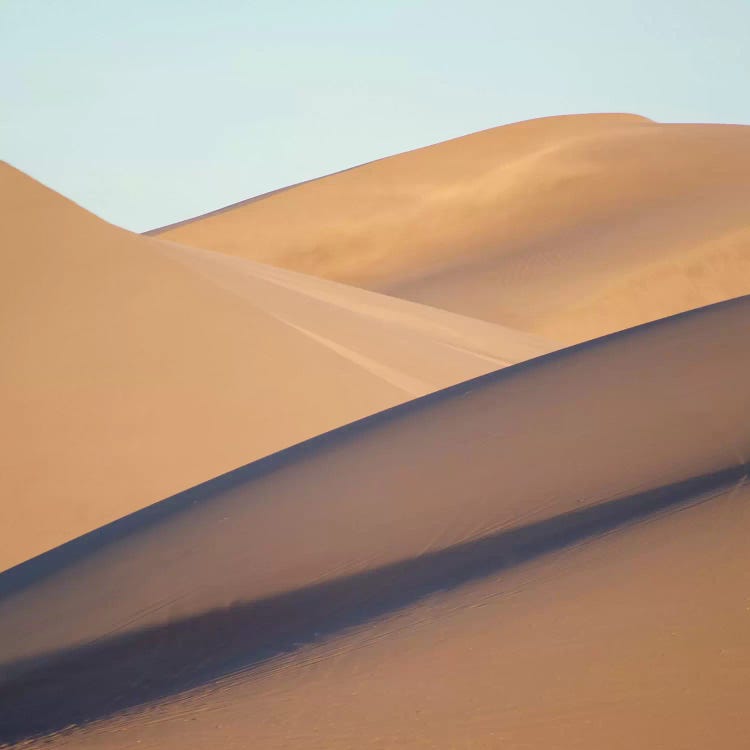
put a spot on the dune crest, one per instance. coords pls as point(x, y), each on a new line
point(250, 575)
point(545, 225)
point(570, 430)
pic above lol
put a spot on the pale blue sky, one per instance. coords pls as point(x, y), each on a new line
point(150, 111)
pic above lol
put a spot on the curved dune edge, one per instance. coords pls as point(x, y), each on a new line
point(638, 637)
point(134, 368)
point(597, 120)
point(81, 685)
point(627, 415)
point(571, 227)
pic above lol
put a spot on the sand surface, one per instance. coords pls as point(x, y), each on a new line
point(132, 370)
point(316, 471)
point(314, 539)
point(635, 639)
point(571, 227)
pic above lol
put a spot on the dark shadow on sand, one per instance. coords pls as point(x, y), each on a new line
point(87, 683)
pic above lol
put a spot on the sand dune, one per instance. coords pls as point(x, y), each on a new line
point(438, 494)
point(422, 547)
point(571, 227)
point(133, 369)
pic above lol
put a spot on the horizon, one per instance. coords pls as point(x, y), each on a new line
point(288, 94)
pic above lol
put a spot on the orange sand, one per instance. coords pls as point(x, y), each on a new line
point(571, 227)
point(134, 370)
point(550, 555)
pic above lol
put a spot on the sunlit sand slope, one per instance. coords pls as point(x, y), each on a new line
point(132, 370)
point(569, 226)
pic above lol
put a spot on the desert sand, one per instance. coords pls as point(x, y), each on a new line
point(133, 370)
point(636, 639)
point(402, 510)
point(571, 227)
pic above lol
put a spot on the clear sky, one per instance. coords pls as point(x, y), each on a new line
point(150, 111)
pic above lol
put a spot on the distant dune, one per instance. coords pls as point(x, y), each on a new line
point(571, 227)
point(449, 450)
point(134, 370)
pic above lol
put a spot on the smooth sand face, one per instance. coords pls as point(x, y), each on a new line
point(571, 227)
point(133, 370)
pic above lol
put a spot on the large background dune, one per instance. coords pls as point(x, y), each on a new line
point(571, 227)
point(132, 370)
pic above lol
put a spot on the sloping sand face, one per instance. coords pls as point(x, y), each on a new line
point(636, 639)
point(132, 370)
point(572, 227)
point(368, 520)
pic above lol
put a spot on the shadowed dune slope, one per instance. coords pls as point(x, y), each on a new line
point(636, 639)
point(571, 226)
point(647, 408)
point(133, 369)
